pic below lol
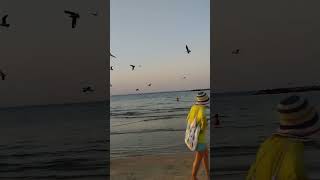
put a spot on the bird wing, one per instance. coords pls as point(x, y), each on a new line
point(74, 22)
point(69, 12)
point(187, 48)
point(112, 55)
point(4, 18)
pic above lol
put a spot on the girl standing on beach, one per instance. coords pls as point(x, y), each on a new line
point(280, 157)
point(197, 112)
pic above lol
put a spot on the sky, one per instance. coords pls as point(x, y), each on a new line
point(153, 34)
point(48, 62)
point(278, 42)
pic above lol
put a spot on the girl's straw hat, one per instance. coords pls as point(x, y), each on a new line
point(297, 117)
point(202, 98)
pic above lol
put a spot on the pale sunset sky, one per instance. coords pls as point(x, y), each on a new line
point(153, 34)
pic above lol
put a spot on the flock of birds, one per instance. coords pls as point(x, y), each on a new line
point(236, 51)
point(74, 17)
point(133, 67)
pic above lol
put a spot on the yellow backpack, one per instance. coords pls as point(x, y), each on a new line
point(278, 158)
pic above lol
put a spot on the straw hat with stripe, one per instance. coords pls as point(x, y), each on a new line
point(297, 117)
point(202, 98)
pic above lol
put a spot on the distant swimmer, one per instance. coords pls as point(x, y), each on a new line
point(4, 21)
point(237, 51)
point(188, 50)
point(216, 121)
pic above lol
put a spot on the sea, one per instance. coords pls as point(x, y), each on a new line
point(54, 142)
point(149, 124)
point(71, 141)
point(246, 121)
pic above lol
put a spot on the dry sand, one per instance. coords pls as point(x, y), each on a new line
point(155, 167)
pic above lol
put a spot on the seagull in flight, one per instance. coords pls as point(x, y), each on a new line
point(237, 51)
point(133, 66)
point(87, 89)
point(3, 75)
point(74, 17)
point(94, 13)
point(137, 89)
point(4, 21)
point(112, 55)
point(188, 50)
point(149, 84)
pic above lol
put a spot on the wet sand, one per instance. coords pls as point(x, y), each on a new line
point(155, 167)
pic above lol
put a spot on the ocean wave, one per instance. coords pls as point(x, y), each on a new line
point(222, 151)
point(46, 154)
point(88, 176)
point(147, 131)
point(168, 117)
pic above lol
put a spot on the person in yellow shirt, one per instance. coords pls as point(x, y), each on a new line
point(280, 157)
point(198, 110)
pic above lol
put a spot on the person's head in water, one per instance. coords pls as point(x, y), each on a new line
point(202, 98)
point(297, 117)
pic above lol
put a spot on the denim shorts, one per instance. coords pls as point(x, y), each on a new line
point(201, 147)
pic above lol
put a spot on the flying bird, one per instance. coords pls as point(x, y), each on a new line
point(137, 89)
point(184, 77)
point(4, 21)
point(74, 17)
point(133, 66)
point(94, 13)
point(112, 55)
point(87, 89)
point(3, 75)
point(149, 84)
point(188, 50)
point(237, 51)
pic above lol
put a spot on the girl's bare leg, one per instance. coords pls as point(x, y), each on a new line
point(196, 164)
point(206, 163)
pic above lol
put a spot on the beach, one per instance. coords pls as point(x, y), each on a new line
point(147, 136)
point(155, 167)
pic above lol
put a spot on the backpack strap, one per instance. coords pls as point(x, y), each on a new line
point(279, 162)
point(195, 117)
point(275, 169)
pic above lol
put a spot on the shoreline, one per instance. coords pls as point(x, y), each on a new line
point(155, 167)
